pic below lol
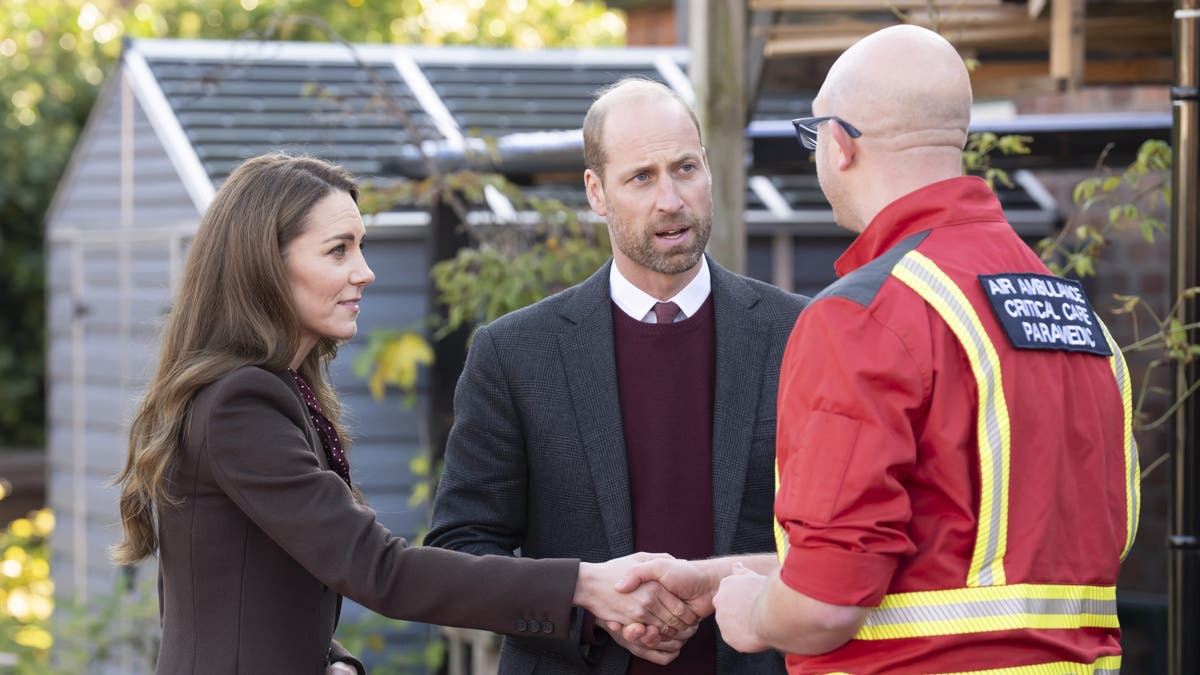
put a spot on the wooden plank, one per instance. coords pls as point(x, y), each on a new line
point(1067, 42)
point(857, 5)
point(1007, 78)
point(717, 34)
point(760, 23)
point(1114, 34)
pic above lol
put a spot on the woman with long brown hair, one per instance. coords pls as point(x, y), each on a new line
point(237, 473)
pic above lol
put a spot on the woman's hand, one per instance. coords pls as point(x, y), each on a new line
point(339, 668)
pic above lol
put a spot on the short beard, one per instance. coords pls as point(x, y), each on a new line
point(675, 260)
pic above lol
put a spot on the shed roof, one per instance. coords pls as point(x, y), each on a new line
point(382, 110)
point(361, 105)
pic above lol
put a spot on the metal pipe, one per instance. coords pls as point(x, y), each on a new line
point(1183, 554)
point(534, 152)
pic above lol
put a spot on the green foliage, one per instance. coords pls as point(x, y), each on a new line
point(507, 266)
point(1127, 198)
point(120, 627)
point(365, 639)
point(392, 357)
point(510, 266)
point(977, 155)
point(45, 639)
point(26, 591)
point(54, 55)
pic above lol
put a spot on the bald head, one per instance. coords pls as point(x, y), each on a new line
point(629, 91)
point(905, 87)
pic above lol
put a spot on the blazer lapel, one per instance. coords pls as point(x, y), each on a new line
point(590, 364)
point(742, 344)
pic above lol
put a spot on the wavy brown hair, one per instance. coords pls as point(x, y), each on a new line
point(233, 309)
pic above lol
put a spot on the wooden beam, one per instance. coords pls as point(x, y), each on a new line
point(1115, 34)
point(858, 5)
point(760, 22)
point(717, 35)
point(1067, 42)
point(992, 77)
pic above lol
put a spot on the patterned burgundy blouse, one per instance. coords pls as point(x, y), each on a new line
point(329, 437)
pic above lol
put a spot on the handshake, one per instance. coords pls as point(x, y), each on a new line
point(651, 603)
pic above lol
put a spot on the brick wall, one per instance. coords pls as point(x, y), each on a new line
point(1132, 266)
point(651, 27)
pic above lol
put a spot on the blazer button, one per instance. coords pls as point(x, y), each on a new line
point(534, 626)
point(547, 627)
point(520, 624)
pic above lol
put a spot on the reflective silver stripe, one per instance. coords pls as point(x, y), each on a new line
point(923, 276)
point(992, 608)
point(983, 609)
point(1133, 477)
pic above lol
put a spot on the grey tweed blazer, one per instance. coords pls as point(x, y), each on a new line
point(535, 461)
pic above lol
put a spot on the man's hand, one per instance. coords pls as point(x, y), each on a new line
point(663, 652)
point(735, 604)
point(688, 581)
point(648, 603)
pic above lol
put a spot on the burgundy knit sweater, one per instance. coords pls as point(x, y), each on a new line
point(666, 380)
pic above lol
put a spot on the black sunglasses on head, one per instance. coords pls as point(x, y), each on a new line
point(806, 129)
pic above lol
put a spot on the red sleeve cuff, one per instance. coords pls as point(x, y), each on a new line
point(838, 577)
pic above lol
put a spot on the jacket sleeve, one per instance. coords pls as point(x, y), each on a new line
point(480, 506)
point(845, 444)
point(262, 460)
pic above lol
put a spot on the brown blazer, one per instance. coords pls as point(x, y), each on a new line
point(265, 538)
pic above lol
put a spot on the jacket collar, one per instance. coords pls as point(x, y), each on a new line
point(955, 201)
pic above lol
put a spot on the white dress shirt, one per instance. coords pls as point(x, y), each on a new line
point(640, 305)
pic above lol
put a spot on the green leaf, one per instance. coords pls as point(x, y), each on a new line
point(1147, 231)
point(1085, 189)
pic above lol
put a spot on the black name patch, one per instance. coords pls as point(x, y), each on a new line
point(1039, 311)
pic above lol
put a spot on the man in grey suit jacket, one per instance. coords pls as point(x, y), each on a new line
point(585, 429)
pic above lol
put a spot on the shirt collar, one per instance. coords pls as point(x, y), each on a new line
point(954, 201)
point(639, 304)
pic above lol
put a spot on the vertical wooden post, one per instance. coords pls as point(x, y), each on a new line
point(1067, 43)
point(717, 39)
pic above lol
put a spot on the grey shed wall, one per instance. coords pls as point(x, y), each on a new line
point(107, 287)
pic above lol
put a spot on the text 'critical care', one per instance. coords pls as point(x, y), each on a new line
point(1040, 311)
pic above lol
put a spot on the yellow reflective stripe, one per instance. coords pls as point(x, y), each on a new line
point(1133, 479)
point(1105, 665)
point(991, 539)
point(984, 609)
point(781, 540)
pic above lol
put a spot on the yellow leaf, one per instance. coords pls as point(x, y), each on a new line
point(399, 360)
point(21, 527)
point(376, 384)
point(35, 637)
point(43, 522)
